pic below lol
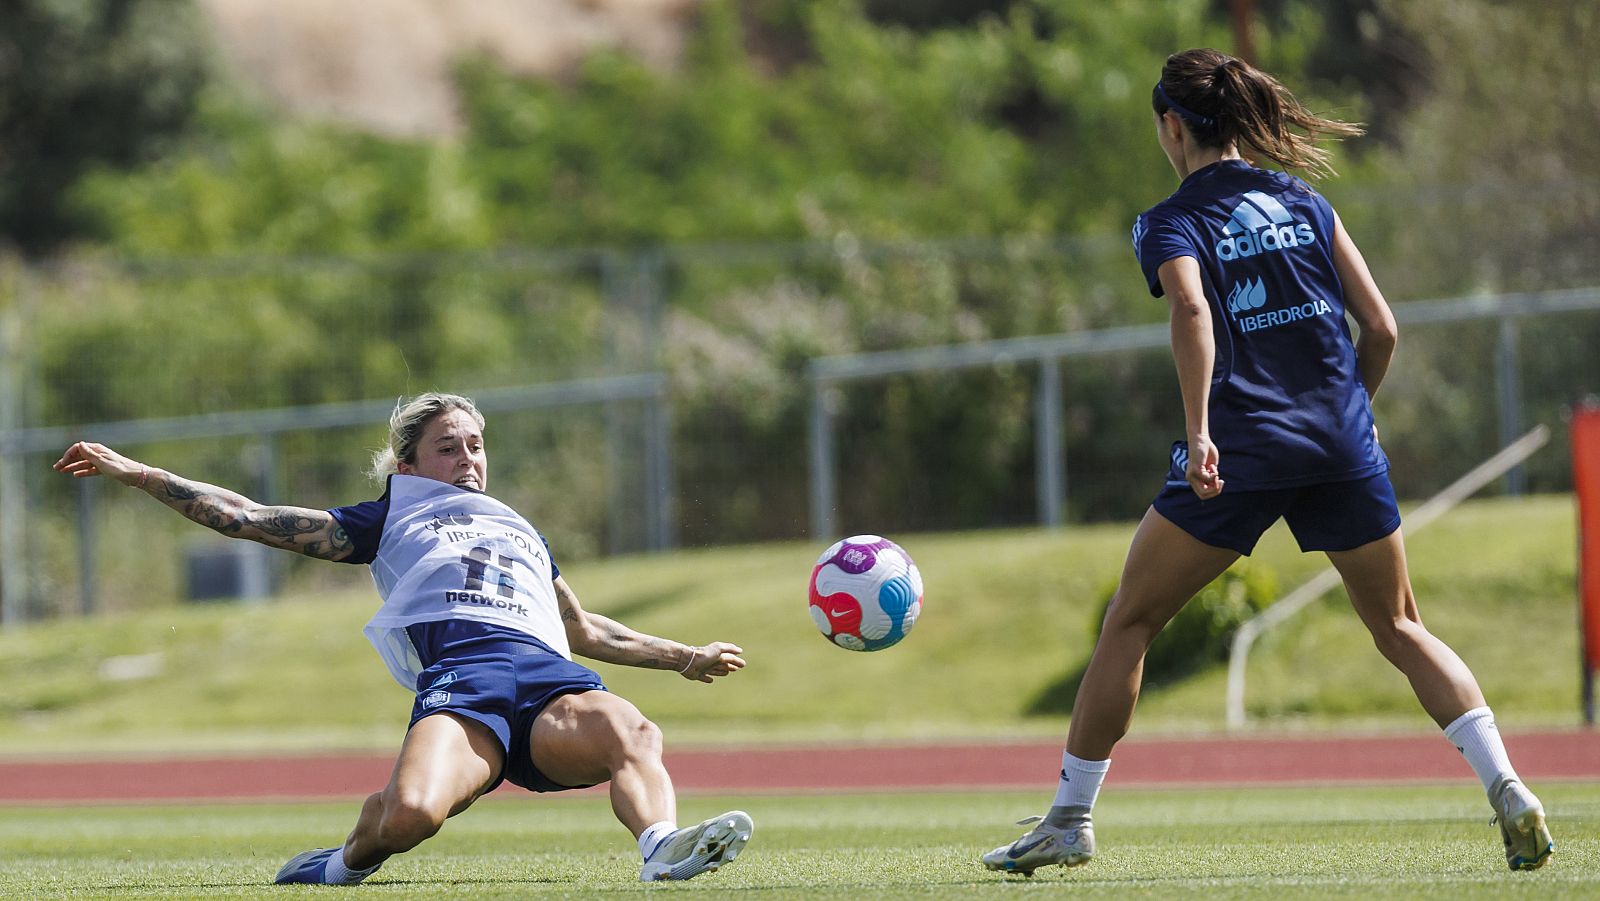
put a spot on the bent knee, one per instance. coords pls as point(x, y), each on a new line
point(1132, 621)
point(643, 737)
point(627, 735)
point(409, 821)
point(1398, 635)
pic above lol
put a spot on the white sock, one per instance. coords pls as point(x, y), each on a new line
point(336, 872)
point(1080, 781)
point(654, 835)
point(1478, 739)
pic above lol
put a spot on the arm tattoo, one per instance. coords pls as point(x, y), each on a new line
point(615, 643)
point(643, 650)
point(339, 543)
point(337, 547)
point(284, 522)
point(171, 488)
point(215, 508)
point(311, 532)
point(564, 599)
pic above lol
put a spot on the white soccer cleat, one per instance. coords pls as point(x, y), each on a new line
point(699, 849)
point(1044, 845)
point(1522, 826)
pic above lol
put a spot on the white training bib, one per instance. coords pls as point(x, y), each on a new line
point(449, 553)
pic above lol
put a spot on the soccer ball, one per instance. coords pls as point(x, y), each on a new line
point(866, 593)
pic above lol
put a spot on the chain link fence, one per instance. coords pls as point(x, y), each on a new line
point(661, 397)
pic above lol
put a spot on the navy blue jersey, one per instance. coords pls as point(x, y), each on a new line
point(363, 522)
point(1287, 404)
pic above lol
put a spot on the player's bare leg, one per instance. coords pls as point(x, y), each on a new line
point(1375, 577)
point(594, 737)
point(1379, 586)
point(445, 763)
point(1166, 566)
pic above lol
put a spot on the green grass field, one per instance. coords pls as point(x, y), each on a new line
point(1008, 613)
point(1262, 843)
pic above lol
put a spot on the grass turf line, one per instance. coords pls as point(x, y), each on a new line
point(1432, 841)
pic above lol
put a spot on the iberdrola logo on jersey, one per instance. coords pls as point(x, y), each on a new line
point(1260, 224)
point(1251, 294)
point(1246, 296)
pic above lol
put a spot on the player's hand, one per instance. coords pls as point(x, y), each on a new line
point(1202, 472)
point(86, 459)
point(718, 658)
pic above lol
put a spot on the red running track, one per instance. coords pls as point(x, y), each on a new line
point(1192, 762)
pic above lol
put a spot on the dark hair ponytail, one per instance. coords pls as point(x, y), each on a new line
point(1228, 101)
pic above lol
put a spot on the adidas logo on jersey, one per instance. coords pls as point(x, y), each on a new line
point(1260, 224)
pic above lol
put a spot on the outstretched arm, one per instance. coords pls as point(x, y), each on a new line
point(314, 533)
point(599, 638)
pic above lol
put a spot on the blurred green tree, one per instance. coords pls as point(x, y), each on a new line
point(1367, 49)
point(830, 170)
point(86, 84)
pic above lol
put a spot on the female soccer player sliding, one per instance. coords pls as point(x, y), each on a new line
point(1259, 274)
point(477, 620)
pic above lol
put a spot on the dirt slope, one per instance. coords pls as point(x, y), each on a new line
point(383, 64)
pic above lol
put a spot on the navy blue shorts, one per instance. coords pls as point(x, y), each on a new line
point(504, 686)
point(1327, 516)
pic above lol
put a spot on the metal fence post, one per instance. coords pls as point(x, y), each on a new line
point(87, 602)
point(819, 435)
point(264, 460)
point(639, 505)
point(1509, 382)
point(649, 294)
point(615, 287)
point(13, 497)
point(1048, 462)
point(658, 464)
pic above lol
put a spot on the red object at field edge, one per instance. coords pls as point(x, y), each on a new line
point(1165, 762)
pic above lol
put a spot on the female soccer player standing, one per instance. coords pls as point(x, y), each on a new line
point(477, 620)
point(1259, 274)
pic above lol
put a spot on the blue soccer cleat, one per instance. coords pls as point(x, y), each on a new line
point(312, 867)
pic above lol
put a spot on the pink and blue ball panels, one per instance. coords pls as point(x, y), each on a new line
point(866, 593)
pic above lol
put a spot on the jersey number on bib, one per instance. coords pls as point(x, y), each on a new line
point(479, 565)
